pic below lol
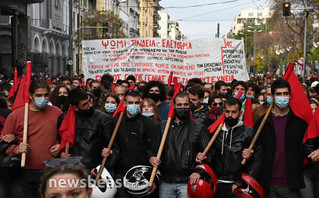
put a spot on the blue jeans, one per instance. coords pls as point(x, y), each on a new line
point(173, 190)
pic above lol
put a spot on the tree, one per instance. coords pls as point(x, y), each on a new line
point(112, 23)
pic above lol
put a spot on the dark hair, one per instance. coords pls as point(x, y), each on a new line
point(133, 93)
point(78, 79)
point(181, 95)
point(55, 94)
point(94, 81)
point(76, 95)
point(233, 101)
point(196, 90)
point(103, 98)
point(212, 98)
point(280, 83)
point(254, 101)
point(242, 83)
point(37, 84)
point(125, 81)
point(196, 81)
point(108, 78)
point(218, 84)
point(131, 77)
point(3, 104)
point(88, 80)
point(6, 86)
point(169, 91)
point(65, 78)
point(152, 84)
point(254, 87)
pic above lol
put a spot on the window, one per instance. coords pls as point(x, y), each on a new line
point(250, 14)
point(259, 14)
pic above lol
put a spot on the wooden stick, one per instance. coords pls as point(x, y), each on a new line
point(67, 148)
point(117, 126)
point(25, 132)
point(160, 150)
point(261, 126)
point(212, 140)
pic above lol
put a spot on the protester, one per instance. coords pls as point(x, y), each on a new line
point(185, 141)
point(65, 180)
point(138, 139)
point(149, 109)
point(42, 141)
point(59, 97)
point(109, 104)
point(169, 95)
point(155, 90)
point(76, 83)
point(314, 104)
point(230, 148)
point(120, 90)
point(92, 133)
point(281, 140)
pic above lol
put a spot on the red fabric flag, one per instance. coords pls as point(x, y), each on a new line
point(83, 84)
point(299, 102)
point(48, 81)
point(67, 129)
point(248, 116)
point(170, 78)
point(113, 87)
point(177, 90)
point(313, 128)
point(15, 84)
point(23, 92)
point(121, 108)
point(212, 128)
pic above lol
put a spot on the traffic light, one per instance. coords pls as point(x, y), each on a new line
point(286, 9)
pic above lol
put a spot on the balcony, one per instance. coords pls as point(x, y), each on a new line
point(44, 23)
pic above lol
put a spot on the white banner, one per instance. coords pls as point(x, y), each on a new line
point(153, 59)
point(57, 14)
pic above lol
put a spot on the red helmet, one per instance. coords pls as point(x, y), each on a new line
point(206, 187)
point(250, 189)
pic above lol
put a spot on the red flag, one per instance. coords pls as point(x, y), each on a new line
point(299, 102)
point(212, 128)
point(113, 87)
point(83, 84)
point(121, 108)
point(248, 117)
point(313, 128)
point(67, 129)
point(177, 90)
point(15, 84)
point(170, 78)
point(23, 92)
point(48, 81)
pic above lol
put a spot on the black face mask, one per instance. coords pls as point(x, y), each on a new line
point(97, 92)
point(86, 113)
point(182, 113)
point(62, 99)
point(154, 97)
point(231, 121)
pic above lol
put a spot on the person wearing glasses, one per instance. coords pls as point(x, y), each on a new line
point(215, 102)
point(138, 139)
point(65, 178)
point(42, 139)
point(92, 133)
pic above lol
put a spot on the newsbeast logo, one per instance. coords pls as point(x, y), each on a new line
point(102, 184)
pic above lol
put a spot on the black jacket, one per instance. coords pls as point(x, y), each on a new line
point(184, 141)
point(138, 140)
point(227, 150)
point(295, 129)
point(92, 134)
point(308, 147)
point(202, 114)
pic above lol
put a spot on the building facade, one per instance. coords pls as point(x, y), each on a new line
point(251, 17)
point(148, 18)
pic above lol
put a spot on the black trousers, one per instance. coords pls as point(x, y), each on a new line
point(27, 184)
point(224, 191)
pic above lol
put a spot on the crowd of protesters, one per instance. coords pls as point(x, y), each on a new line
point(276, 161)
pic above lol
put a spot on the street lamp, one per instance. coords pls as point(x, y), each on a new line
point(245, 42)
point(254, 31)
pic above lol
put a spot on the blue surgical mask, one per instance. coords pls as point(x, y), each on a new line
point(41, 103)
point(121, 98)
point(205, 101)
point(133, 109)
point(110, 108)
point(148, 114)
point(269, 99)
point(250, 96)
point(282, 101)
point(242, 97)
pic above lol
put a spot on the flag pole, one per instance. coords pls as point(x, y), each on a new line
point(117, 126)
point(160, 150)
point(25, 132)
point(67, 148)
point(243, 162)
point(212, 140)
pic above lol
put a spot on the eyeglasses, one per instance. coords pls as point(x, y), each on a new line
point(57, 162)
point(219, 104)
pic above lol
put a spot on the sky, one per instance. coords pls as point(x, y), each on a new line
point(198, 18)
